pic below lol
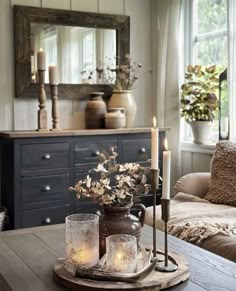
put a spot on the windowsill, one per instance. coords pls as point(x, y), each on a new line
point(189, 146)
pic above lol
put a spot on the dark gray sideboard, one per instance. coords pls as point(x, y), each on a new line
point(37, 168)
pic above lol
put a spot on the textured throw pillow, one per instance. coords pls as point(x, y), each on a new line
point(222, 188)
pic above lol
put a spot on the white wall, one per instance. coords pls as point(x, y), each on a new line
point(22, 114)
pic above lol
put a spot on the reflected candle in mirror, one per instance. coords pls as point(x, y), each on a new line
point(53, 75)
point(121, 253)
point(41, 60)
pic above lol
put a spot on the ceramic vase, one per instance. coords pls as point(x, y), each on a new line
point(119, 220)
point(95, 111)
point(125, 99)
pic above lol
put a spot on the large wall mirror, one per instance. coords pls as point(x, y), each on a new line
point(77, 42)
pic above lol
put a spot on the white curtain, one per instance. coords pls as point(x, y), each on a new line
point(166, 71)
point(232, 67)
point(64, 54)
point(105, 45)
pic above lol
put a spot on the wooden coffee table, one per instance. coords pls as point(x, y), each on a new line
point(27, 257)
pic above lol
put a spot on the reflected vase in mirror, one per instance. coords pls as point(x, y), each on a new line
point(95, 111)
point(125, 99)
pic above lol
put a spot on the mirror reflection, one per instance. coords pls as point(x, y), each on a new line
point(76, 51)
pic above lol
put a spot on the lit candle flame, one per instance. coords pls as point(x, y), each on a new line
point(166, 144)
point(154, 122)
point(40, 49)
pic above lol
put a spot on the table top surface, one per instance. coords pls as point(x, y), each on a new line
point(27, 257)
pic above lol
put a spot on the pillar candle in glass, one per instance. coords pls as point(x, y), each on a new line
point(82, 240)
point(154, 147)
point(121, 253)
point(166, 172)
point(41, 60)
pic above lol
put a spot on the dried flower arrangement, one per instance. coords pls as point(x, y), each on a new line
point(117, 184)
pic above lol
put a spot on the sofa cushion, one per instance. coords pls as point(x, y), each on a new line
point(222, 188)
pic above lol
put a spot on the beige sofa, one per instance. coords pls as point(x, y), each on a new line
point(210, 226)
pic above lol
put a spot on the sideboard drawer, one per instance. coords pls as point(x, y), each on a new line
point(87, 152)
point(136, 150)
point(44, 216)
point(45, 156)
point(44, 188)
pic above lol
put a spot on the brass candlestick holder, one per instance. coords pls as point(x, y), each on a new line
point(55, 113)
point(42, 112)
point(166, 265)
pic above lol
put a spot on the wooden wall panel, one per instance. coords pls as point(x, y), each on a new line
point(186, 163)
point(111, 6)
point(141, 51)
point(6, 67)
point(201, 162)
point(36, 3)
point(192, 162)
point(81, 5)
point(62, 4)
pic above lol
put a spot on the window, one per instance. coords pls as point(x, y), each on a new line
point(205, 28)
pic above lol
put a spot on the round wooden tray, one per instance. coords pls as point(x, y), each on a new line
point(155, 281)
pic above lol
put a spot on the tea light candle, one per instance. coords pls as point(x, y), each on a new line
point(154, 146)
point(82, 256)
point(82, 240)
point(41, 60)
point(53, 75)
point(166, 172)
point(121, 253)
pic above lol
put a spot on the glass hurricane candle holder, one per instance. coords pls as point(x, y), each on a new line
point(121, 253)
point(82, 240)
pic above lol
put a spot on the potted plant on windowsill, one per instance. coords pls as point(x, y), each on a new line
point(199, 100)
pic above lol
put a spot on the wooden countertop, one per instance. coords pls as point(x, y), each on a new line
point(75, 132)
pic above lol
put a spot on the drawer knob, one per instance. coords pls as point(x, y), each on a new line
point(47, 188)
point(143, 150)
point(47, 220)
point(47, 156)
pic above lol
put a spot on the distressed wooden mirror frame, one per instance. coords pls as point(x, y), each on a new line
point(24, 15)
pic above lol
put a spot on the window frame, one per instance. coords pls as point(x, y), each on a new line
point(190, 50)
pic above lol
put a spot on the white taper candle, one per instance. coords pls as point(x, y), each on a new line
point(166, 172)
point(154, 147)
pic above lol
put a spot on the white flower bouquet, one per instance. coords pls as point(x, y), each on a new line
point(117, 183)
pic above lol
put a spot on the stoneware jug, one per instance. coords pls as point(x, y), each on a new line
point(119, 220)
point(115, 118)
point(95, 111)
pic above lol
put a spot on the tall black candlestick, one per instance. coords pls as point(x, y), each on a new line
point(166, 266)
point(155, 186)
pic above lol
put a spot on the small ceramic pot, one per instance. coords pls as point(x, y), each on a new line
point(115, 118)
